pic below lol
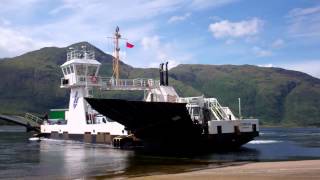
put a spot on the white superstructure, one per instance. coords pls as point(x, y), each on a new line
point(80, 76)
point(218, 118)
point(205, 111)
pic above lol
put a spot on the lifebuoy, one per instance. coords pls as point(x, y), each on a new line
point(93, 79)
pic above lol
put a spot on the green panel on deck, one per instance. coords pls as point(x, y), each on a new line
point(59, 114)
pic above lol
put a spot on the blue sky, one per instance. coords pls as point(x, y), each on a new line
point(273, 33)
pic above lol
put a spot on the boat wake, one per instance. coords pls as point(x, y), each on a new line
point(264, 142)
point(34, 139)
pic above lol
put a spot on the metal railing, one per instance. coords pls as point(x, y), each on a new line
point(109, 83)
point(216, 108)
point(219, 112)
point(128, 84)
point(80, 54)
point(32, 119)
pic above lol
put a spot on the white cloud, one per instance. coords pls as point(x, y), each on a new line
point(4, 22)
point(85, 21)
point(259, 52)
point(136, 33)
point(229, 42)
point(70, 21)
point(171, 64)
point(155, 51)
point(13, 42)
point(227, 29)
point(59, 23)
point(118, 11)
point(174, 19)
point(298, 12)
point(266, 65)
point(279, 43)
point(150, 42)
point(308, 66)
point(304, 22)
point(13, 5)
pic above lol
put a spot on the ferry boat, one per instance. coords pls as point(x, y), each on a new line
point(162, 120)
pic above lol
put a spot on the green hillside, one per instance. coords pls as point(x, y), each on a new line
point(274, 95)
point(30, 83)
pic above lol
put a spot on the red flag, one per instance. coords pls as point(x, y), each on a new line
point(129, 45)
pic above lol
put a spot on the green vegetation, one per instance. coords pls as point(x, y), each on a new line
point(274, 95)
point(30, 83)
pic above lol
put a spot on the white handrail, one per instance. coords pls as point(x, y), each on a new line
point(32, 119)
point(110, 83)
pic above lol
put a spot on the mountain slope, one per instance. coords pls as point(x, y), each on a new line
point(30, 83)
point(274, 95)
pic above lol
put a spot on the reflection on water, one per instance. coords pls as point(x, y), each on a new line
point(68, 159)
point(5, 128)
point(75, 159)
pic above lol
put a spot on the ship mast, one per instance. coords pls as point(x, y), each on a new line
point(116, 57)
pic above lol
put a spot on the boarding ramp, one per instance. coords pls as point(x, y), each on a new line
point(219, 112)
point(31, 122)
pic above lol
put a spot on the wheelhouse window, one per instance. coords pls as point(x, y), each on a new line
point(80, 69)
point(64, 71)
point(196, 111)
point(68, 70)
point(71, 69)
point(92, 70)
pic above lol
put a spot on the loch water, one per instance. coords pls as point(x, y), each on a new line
point(57, 159)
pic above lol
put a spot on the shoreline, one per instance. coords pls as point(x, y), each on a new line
point(284, 170)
